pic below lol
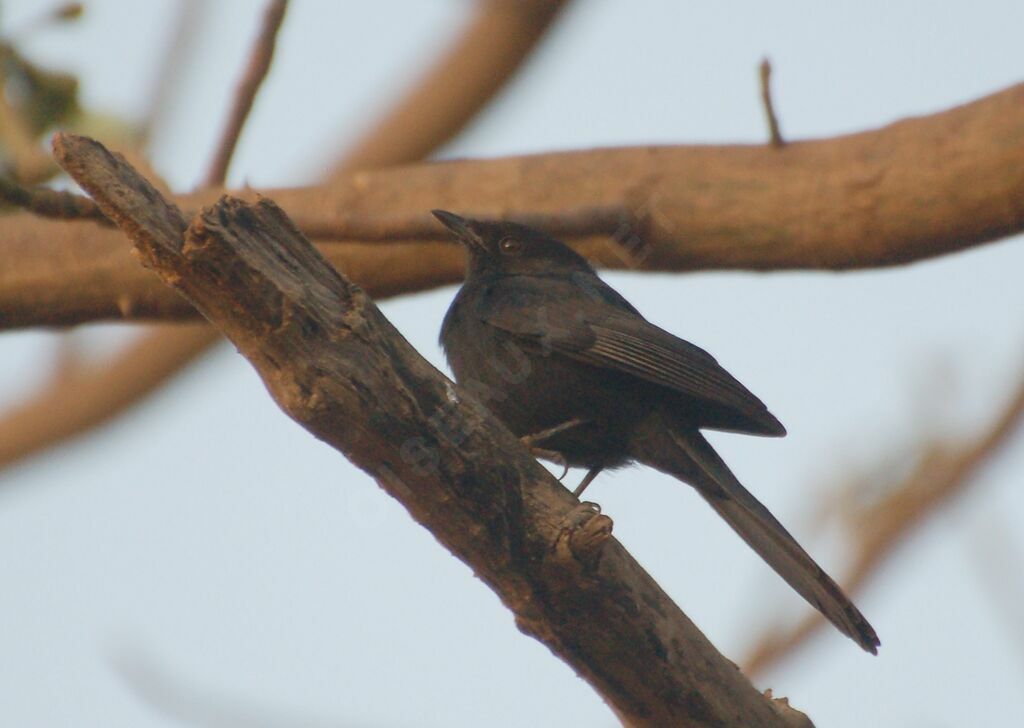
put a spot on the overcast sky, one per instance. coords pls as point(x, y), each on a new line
point(205, 553)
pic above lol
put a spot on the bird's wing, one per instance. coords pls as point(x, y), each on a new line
point(602, 334)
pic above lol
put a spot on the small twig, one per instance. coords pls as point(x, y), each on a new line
point(775, 136)
point(57, 204)
point(943, 472)
point(256, 71)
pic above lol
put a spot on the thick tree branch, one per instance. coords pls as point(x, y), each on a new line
point(912, 190)
point(335, 364)
point(944, 471)
point(37, 424)
point(83, 396)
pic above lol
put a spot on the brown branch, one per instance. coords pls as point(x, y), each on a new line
point(45, 202)
point(36, 423)
point(774, 135)
point(913, 190)
point(83, 395)
point(944, 471)
point(493, 46)
point(255, 72)
point(336, 365)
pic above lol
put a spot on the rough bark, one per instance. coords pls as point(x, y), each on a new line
point(336, 365)
point(913, 190)
point(484, 57)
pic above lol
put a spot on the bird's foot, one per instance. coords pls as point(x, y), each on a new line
point(556, 457)
point(580, 540)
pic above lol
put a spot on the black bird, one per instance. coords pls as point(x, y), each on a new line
point(568, 364)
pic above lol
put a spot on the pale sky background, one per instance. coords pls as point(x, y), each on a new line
point(206, 543)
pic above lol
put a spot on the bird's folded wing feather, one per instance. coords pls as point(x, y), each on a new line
point(602, 334)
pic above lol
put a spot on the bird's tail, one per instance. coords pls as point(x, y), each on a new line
point(685, 454)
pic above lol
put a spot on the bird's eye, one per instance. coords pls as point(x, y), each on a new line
point(510, 245)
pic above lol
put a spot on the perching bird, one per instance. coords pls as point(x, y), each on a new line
point(566, 362)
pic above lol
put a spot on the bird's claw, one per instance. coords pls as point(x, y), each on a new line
point(563, 463)
point(556, 457)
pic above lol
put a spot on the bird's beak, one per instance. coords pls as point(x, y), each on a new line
point(460, 227)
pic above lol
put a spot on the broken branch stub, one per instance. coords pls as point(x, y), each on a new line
point(337, 366)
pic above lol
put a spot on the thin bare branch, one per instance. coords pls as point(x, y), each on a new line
point(45, 202)
point(334, 363)
point(774, 135)
point(256, 71)
point(945, 470)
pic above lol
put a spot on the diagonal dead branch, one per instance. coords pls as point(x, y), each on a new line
point(913, 190)
point(945, 471)
point(255, 72)
point(336, 365)
point(83, 396)
point(35, 422)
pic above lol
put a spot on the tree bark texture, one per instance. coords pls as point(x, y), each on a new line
point(915, 189)
point(337, 366)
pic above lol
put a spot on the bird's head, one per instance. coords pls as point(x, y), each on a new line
point(507, 248)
